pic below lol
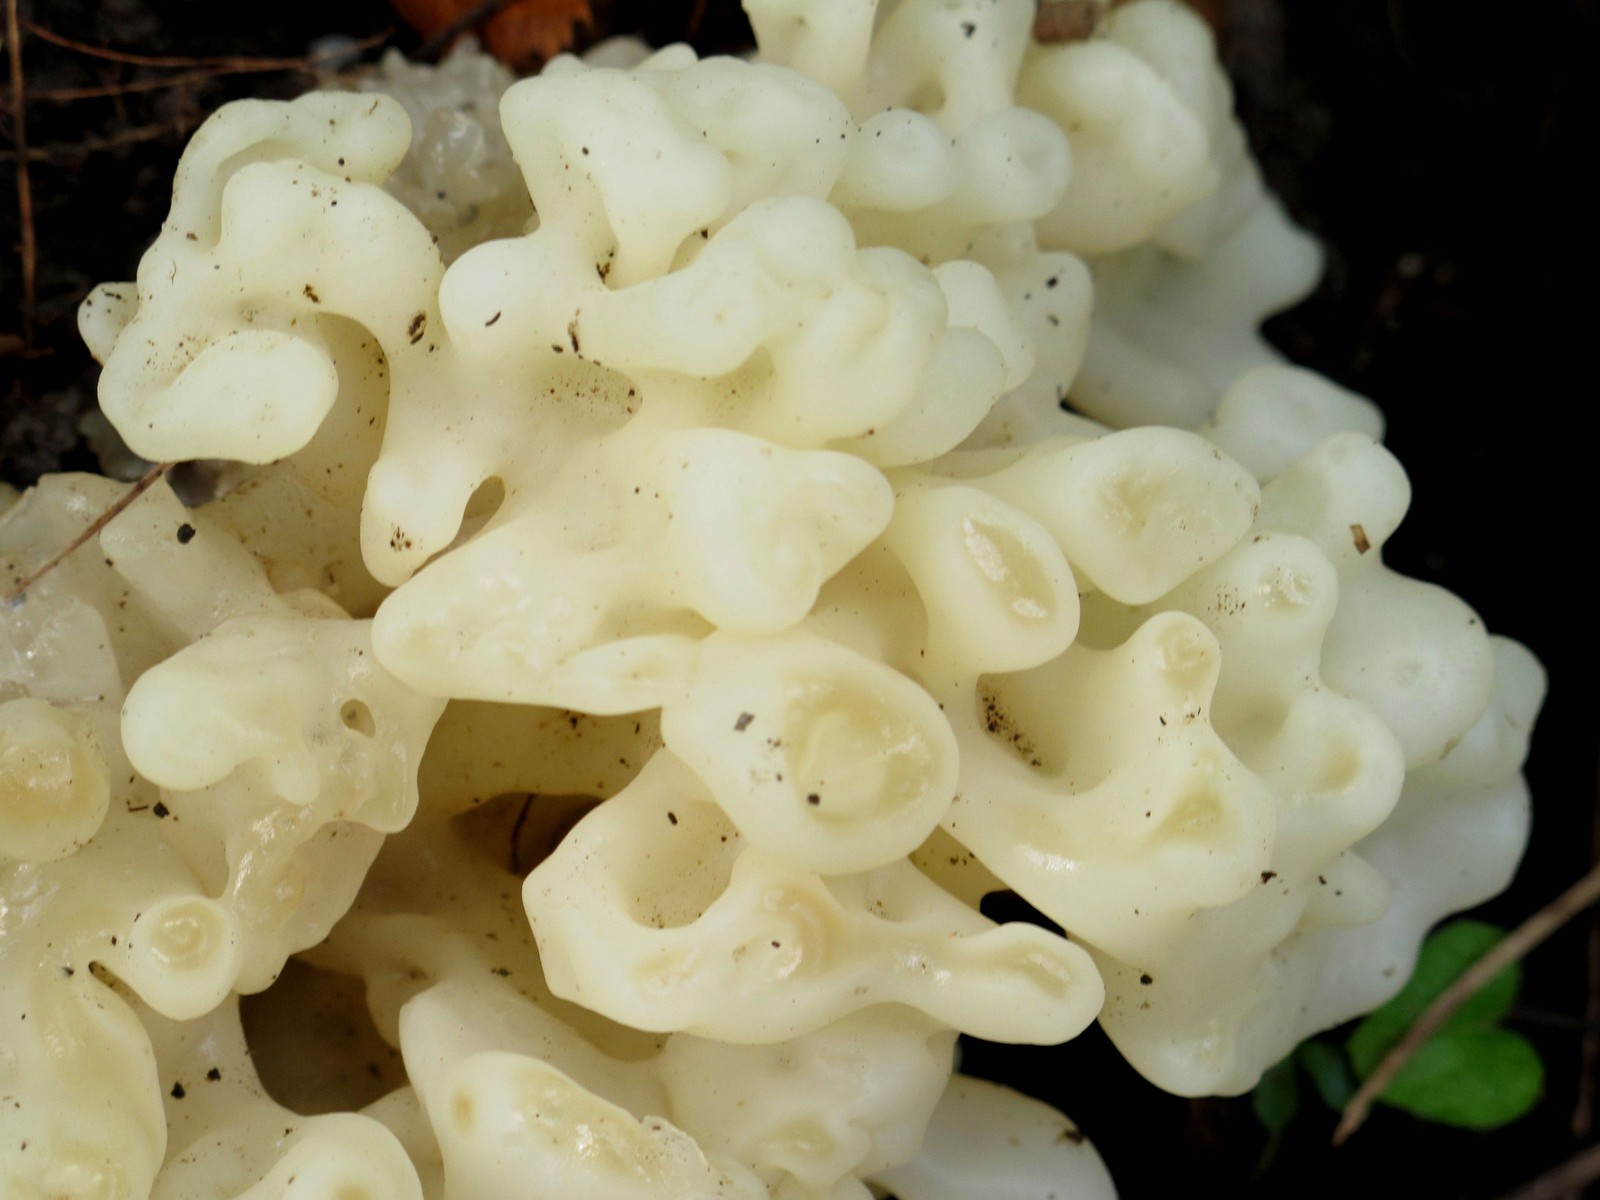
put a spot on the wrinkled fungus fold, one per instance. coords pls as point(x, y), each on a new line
point(697, 528)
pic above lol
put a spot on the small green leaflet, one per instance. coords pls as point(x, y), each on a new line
point(1329, 1068)
point(1276, 1099)
point(1472, 1073)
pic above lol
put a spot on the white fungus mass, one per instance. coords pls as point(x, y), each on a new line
point(701, 527)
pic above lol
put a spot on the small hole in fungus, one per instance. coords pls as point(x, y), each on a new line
point(358, 716)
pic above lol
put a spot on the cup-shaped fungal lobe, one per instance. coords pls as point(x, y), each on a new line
point(846, 333)
point(1414, 654)
point(1051, 295)
point(265, 1152)
point(276, 221)
point(53, 784)
point(464, 1018)
point(824, 40)
point(1269, 601)
point(1336, 771)
point(856, 361)
point(998, 592)
point(226, 1136)
point(99, 1157)
point(126, 900)
point(851, 1098)
point(1141, 153)
point(182, 954)
point(1096, 787)
point(1497, 744)
point(956, 60)
point(1011, 165)
point(1136, 512)
point(83, 1111)
point(976, 300)
point(756, 529)
point(301, 699)
point(1171, 334)
point(462, 1015)
point(962, 379)
point(900, 161)
point(984, 351)
point(292, 873)
point(1008, 167)
point(501, 1116)
point(1211, 1019)
point(987, 1140)
point(825, 759)
point(544, 608)
point(1273, 416)
point(1302, 954)
point(782, 134)
point(1348, 495)
point(589, 587)
point(1334, 767)
point(613, 168)
point(656, 913)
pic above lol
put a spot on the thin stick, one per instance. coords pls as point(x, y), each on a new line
point(1570, 1177)
point(697, 14)
point(1515, 944)
point(465, 23)
point(1589, 1053)
point(132, 86)
point(145, 483)
point(225, 63)
point(19, 138)
point(516, 835)
point(68, 151)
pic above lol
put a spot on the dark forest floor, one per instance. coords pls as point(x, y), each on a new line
point(1435, 148)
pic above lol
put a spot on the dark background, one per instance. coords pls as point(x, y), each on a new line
point(1436, 148)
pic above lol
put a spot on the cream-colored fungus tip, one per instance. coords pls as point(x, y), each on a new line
point(660, 593)
point(53, 784)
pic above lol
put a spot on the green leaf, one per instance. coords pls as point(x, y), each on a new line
point(1478, 1079)
point(1276, 1099)
point(1329, 1069)
point(1447, 953)
point(1470, 1073)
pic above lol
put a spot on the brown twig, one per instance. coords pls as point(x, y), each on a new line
point(1505, 952)
point(697, 14)
point(13, 346)
point(131, 87)
point(467, 22)
point(1589, 1052)
point(1570, 1177)
point(143, 485)
point(223, 63)
point(517, 867)
point(64, 151)
point(19, 138)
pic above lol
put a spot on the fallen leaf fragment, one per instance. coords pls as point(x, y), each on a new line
point(522, 34)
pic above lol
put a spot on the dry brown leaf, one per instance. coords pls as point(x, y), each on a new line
point(522, 34)
point(531, 32)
